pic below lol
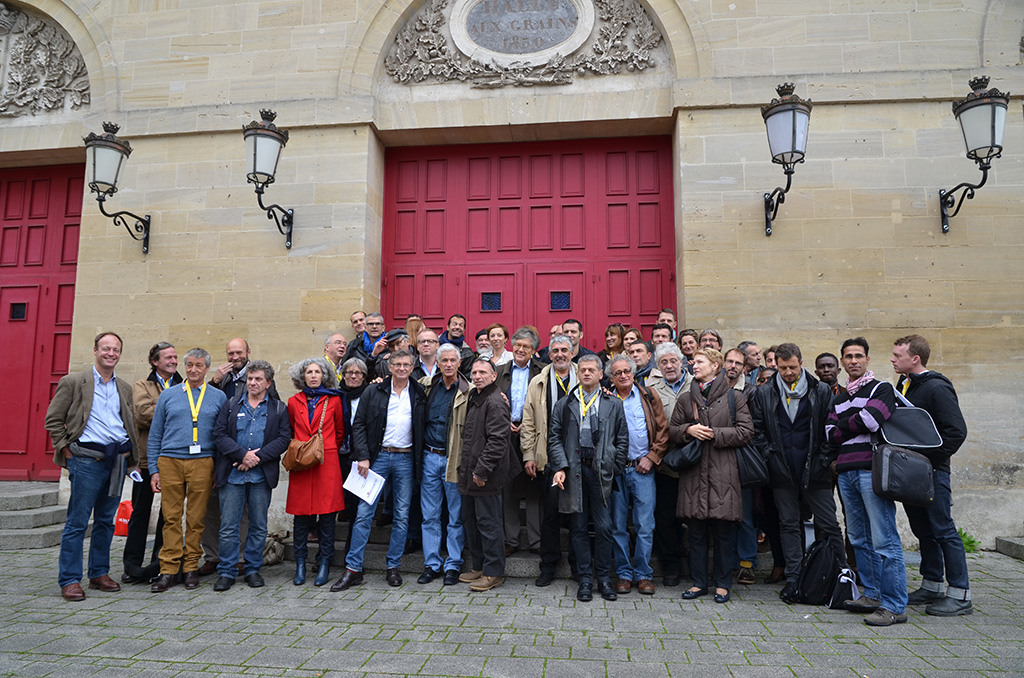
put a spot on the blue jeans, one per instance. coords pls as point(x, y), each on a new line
point(640, 488)
point(433, 490)
point(232, 503)
point(600, 561)
point(871, 527)
point(942, 550)
point(746, 536)
point(398, 467)
point(90, 481)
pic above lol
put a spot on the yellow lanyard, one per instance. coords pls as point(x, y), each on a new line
point(792, 387)
point(194, 406)
point(565, 389)
point(906, 385)
point(584, 405)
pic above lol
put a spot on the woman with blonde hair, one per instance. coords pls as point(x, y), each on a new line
point(413, 326)
point(710, 496)
point(613, 344)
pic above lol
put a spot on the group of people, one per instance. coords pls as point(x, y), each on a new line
point(464, 438)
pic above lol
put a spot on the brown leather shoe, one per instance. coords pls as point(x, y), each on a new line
point(486, 583)
point(163, 582)
point(73, 592)
point(348, 580)
point(393, 577)
point(105, 583)
point(646, 587)
point(472, 575)
point(191, 580)
point(207, 568)
point(623, 586)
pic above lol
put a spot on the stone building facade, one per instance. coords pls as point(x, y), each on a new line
point(857, 247)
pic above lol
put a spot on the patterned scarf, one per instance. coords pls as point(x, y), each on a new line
point(853, 386)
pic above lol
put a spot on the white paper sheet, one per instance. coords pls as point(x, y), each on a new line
point(366, 488)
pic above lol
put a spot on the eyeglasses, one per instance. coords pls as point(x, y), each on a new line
point(619, 373)
point(428, 341)
point(374, 324)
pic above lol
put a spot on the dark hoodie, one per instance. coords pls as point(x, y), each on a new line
point(934, 392)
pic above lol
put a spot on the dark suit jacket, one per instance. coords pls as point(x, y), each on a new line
point(69, 411)
point(372, 418)
point(504, 379)
point(276, 436)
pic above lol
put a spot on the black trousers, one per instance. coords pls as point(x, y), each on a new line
point(324, 525)
point(723, 532)
point(482, 520)
point(551, 527)
point(138, 532)
point(770, 525)
point(669, 538)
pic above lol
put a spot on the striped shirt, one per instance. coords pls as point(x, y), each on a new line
point(853, 421)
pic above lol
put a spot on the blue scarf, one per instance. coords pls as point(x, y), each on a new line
point(368, 343)
point(313, 397)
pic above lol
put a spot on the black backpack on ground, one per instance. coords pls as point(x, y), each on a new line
point(819, 573)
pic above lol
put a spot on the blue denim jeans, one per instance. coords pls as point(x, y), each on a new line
point(433, 490)
point(871, 527)
point(398, 467)
point(598, 562)
point(89, 483)
point(232, 502)
point(640, 488)
point(942, 550)
point(746, 536)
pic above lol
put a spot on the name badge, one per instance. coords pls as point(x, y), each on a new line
point(195, 448)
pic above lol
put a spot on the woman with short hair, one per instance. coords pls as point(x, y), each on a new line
point(710, 496)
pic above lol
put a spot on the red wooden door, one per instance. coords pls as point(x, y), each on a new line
point(40, 213)
point(580, 229)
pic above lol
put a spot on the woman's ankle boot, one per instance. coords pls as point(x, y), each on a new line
point(300, 572)
point(324, 573)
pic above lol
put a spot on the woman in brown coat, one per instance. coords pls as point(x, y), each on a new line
point(709, 492)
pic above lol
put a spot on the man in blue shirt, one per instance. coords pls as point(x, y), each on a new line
point(648, 439)
point(251, 434)
point(92, 426)
point(513, 378)
point(180, 457)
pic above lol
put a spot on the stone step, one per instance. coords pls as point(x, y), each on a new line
point(31, 538)
point(18, 496)
point(34, 517)
point(1011, 546)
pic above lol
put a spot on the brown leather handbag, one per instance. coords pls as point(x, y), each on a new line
point(305, 454)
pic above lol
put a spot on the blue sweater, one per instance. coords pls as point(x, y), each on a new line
point(171, 432)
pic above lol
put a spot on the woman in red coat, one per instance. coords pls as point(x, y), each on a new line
point(315, 495)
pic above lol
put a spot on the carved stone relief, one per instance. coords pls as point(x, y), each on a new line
point(625, 38)
point(41, 68)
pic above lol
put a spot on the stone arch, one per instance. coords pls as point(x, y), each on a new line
point(362, 66)
point(88, 34)
point(1002, 37)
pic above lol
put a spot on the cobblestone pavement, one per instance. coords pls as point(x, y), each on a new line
point(516, 630)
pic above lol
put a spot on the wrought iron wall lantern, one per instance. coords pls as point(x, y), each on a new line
point(982, 117)
point(786, 119)
point(105, 158)
point(263, 144)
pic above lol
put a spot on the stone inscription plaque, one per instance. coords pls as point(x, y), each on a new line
point(521, 26)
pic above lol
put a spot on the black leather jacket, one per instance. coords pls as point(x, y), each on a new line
point(764, 406)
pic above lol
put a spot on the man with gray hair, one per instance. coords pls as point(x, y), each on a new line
point(180, 456)
point(669, 537)
point(513, 378)
point(648, 440)
point(368, 345)
point(553, 383)
point(447, 397)
point(588, 442)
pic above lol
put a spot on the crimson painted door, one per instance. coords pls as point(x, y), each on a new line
point(531, 233)
point(40, 213)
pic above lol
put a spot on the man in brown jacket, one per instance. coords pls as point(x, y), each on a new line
point(91, 424)
point(163, 358)
point(648, 438)
point(484, 470)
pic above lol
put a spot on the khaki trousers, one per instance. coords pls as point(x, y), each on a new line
point(185, 486)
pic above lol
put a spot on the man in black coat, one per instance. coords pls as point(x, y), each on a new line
point(485, 468)
point(933, 525)
point(387, 437)
point(251, 434)
point(789, 413)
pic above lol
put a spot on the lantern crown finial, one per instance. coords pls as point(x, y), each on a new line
point(267, 115)
point(111, 127)
point(979, 83)
point(786, 89)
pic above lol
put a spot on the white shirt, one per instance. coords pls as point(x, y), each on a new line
point(398, 431)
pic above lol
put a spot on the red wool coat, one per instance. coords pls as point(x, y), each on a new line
point(317, 490)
